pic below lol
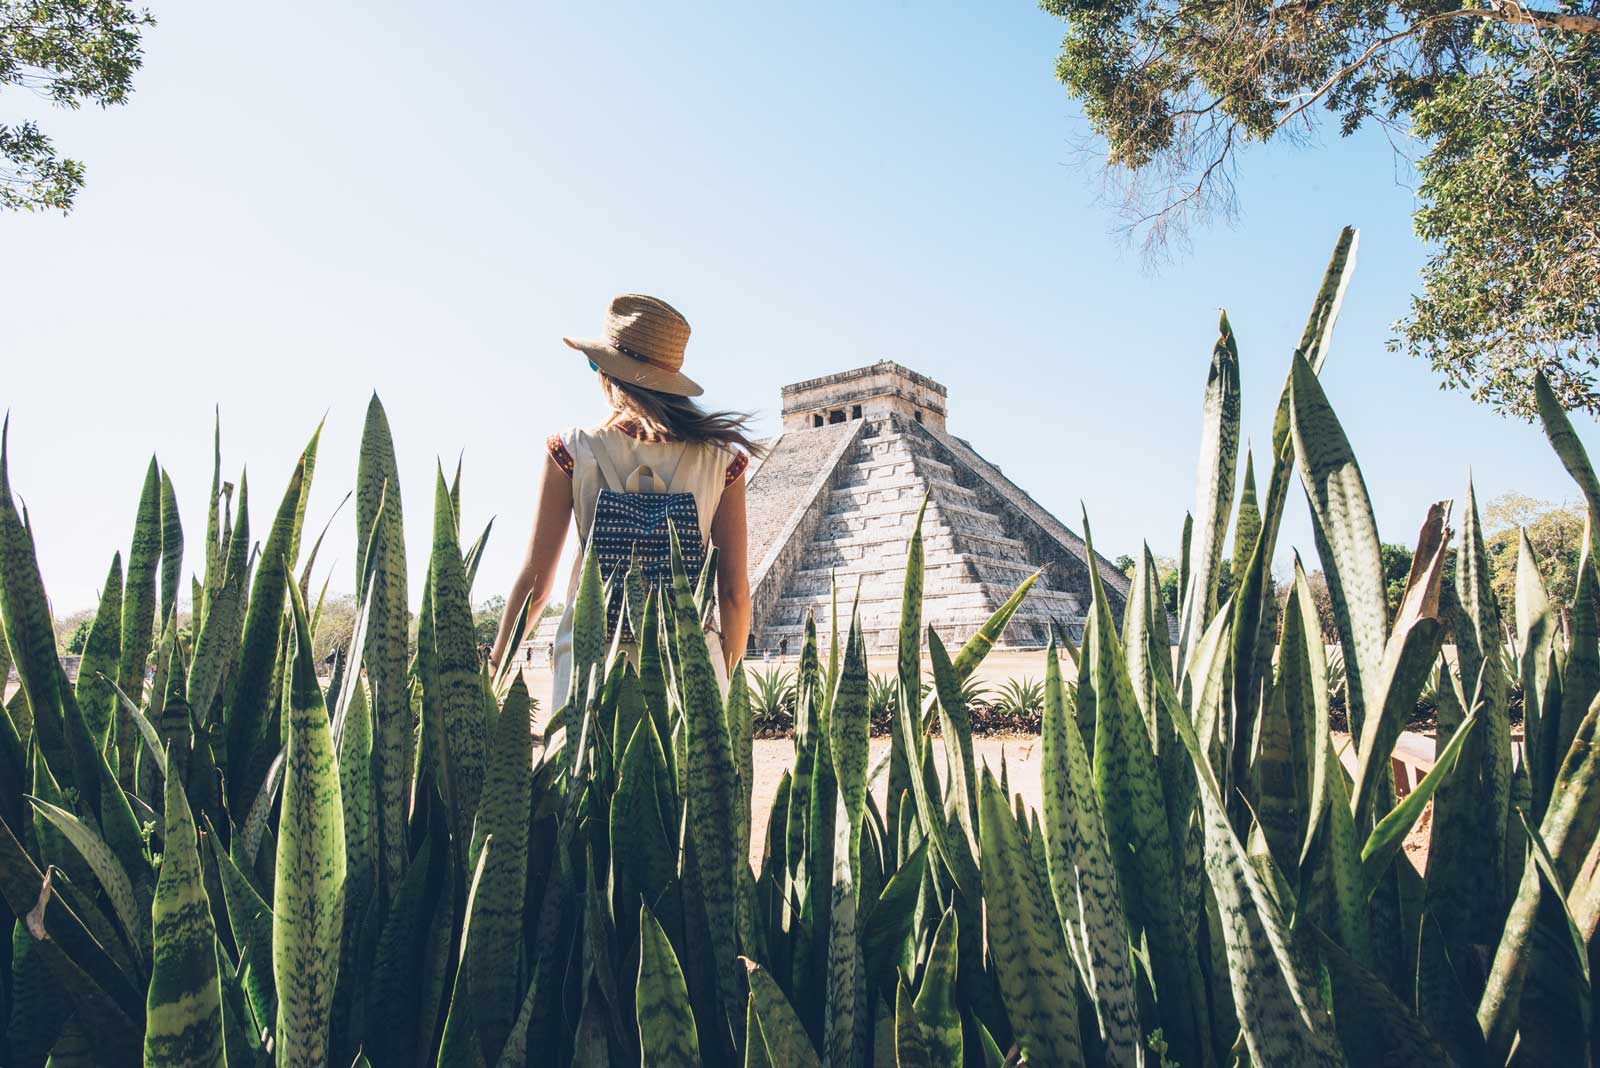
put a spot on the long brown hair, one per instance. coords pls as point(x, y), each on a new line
point(679, 417)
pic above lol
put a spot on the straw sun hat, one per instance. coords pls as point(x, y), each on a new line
point(643, 345)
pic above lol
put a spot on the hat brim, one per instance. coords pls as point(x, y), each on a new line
point(625, 368)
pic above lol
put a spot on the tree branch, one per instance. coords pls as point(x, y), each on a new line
point(1509, 12)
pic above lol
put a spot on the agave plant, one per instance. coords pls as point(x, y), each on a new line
point(234, 862)
point(772, 695)
point(1020, 697)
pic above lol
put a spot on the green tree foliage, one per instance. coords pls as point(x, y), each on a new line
point(1504, 100)
point(1554, 530)
point(67, 52)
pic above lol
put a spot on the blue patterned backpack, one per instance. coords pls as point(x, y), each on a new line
point(631, 517)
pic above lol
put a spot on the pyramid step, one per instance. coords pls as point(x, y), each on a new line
point(838, 549)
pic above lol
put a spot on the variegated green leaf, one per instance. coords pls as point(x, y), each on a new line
point(251, 689)
point(1025, 941)
point(108, 871)
point(784, 1034)
point(1347, 540)
point(936, 1004)
point(138, 608)
point(308, 893)
point(910, 1043)
point(497, 925)
point(1568, 831)
point(461, 723)
point(96, 695)
point(1083, 880)
point(713, 787)
point(1137, 828)
point(661, 1001)
point(1218, 452)
point(1281, 1017)
point(183, 1016)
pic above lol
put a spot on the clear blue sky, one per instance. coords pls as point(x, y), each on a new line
point(305, 203)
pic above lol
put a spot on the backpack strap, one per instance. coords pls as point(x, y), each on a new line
point(610, 477)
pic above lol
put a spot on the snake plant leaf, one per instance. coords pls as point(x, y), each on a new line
point(1385, 840)
point(847, 999)
point(108, 871)
point(308, 893)
point(756, 1054)
point(936, 1005)
point(217, 639)
point(139, 607)
point(1082, 878)
point(79, 962)
point(1315, 341)
point(1536, 627)
point(1219, 453)
point(1145, 645)
point(1558, 428)
point(171, 547)
point(647, 867)
point(101, 650)
point(588, 631)
point(783, 1033)
point(38, 1013)
point(459, 1047)
point(251, 688)
point(499, 899)
point(910, 1042)
point(1553, 1024)
point(885, 928)
point(713, 805)
point(1137, 826)
point(250, 920)
point(661, 1001)
point(1375, 1026)
point(460, 695)
point(741, 733)
point(381, 553)
point(955, 727)
point(25, 615)
point(393, 996)
point(1281, 1017)
point(1412, 649)
point(1567, 832)
point(930, 813)
point(984, 639)
point(474, 554)
point(357, 797)
point(849, 730)
point(183, 1015)
point(1025, 941)
point(1469, 885)
point(1580, 682)
point(1347, 540)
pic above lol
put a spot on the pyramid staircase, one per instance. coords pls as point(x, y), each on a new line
point(982, 537)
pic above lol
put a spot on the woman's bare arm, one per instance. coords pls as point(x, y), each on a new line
point(537, 576)
point(728, 534)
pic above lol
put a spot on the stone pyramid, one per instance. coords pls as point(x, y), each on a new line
point(836, 499)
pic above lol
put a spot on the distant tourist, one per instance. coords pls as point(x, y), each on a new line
point(657, 458)
point(783, 646)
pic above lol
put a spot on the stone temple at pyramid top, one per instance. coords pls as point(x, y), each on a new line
point(882, 390)
point(835, 500)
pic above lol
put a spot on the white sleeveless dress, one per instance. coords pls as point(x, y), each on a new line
point(626, 459)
